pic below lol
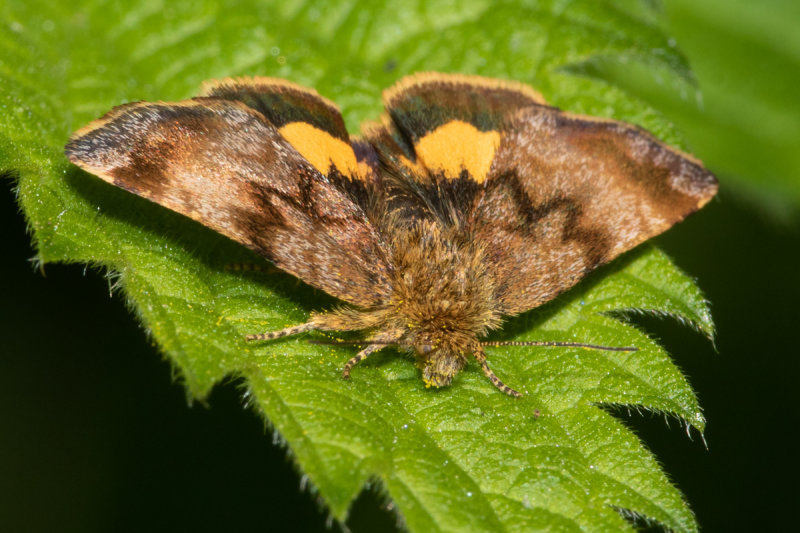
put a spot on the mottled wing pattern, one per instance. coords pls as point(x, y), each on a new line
point(568, 193)
point(222, 163)
point(550, 195)
point(312, 124)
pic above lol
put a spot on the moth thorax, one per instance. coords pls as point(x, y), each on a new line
point(444, 297)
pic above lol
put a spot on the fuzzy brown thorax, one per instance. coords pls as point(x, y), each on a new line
point(442, 297)
point(442, 300)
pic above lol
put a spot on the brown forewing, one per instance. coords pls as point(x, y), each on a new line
point(224, 165)
point(568, 193)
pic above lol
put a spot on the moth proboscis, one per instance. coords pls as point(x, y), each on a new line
point(469, 201)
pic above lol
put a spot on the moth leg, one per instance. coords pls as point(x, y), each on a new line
point(344, 319)
point(360, 356)
point(269, 335)
point(481, 357)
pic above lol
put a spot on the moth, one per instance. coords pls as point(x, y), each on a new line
point(470, 200)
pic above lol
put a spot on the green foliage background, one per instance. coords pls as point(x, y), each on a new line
point(101, 444)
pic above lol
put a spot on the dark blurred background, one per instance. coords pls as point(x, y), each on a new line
point(98, 436)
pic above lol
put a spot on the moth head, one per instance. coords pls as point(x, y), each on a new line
point(438, 361)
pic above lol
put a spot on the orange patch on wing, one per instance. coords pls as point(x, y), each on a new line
point(365, 172)
point(457, 146)
point(320, 148)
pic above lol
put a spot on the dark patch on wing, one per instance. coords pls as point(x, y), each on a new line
point(450, 200)
point(282, 102)
point(592, 239)
point(420, 103)
point(359, 191)
point(368, 161)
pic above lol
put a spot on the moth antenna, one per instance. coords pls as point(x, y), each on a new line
point(563, 344)
point(360, 356)
point(497, 382)
point(269, 335)
point(353, 343)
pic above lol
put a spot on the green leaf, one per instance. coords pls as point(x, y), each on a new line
point(465, 458)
